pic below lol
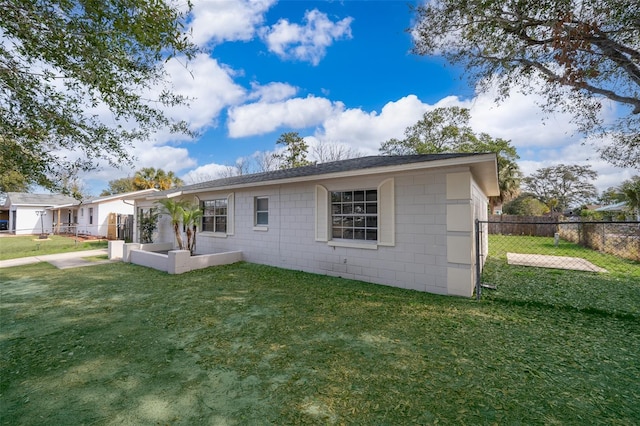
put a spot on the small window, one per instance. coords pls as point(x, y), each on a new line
point(262, 211)
point(214, 215)
point(90, 215)
point(354, 215)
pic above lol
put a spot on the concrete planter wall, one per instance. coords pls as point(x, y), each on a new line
point(175, 262)
point(180, 261)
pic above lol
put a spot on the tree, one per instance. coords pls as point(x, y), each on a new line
point(295, 151)
point(590, 48)
point(241, 167)
point(525, 205)
point(630, 189)
point(148, 224)
point(149, 177)
point(327, 152)
point(119, 186)
point(563, 186)
point(611, 195)
point(191, 216)
point(13, 181)
point(447, 130)
point(175, 210)
point(62, 61)
point(266, 161)
point(439, 130)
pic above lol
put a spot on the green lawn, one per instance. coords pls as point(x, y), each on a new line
point(250, 344)
point(612, 293)
point(29, 245)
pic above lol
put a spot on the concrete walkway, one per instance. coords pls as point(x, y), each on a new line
point(61, 260)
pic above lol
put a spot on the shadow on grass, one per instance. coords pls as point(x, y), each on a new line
point(249, 344)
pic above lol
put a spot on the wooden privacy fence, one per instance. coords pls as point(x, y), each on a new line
point(539, 226)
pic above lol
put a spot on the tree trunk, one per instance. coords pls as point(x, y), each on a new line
point(176, 229)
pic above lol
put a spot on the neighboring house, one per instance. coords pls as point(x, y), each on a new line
point(619, 209)
point(100, 216)
point(61, 214)
point(31, 213)
point(404, 221)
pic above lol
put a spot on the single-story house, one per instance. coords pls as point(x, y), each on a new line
point(62, 214)
point(31, 213)
point(102, 215)
point(620, 210)
point(404, 221)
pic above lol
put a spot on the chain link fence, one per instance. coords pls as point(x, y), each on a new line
point(504, 246)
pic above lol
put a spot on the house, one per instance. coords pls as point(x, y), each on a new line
point(103, 216)
point(619, 210)
point(61, 214)
point(404, 221)
point(31, 213)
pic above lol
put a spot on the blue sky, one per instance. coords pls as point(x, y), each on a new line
point(340, 73)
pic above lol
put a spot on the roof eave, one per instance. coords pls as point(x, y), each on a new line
point(483, 167)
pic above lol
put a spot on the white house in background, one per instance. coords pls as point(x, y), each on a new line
point(61, 214)
point(404, 221)
point(31, 213)
point(100, 216)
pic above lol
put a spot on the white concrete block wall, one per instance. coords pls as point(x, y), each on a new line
point(417, 261)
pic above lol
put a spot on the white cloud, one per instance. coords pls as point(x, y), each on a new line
point(263, 117)
point(216, 21)
point(272, 92)
point(519, 119)
point(365, 131)
point(204, 173)
point(309, 42)
point(208, 85)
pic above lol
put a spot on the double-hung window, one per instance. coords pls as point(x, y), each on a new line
point(262, 211)
point(214, 215)
point(354, 215)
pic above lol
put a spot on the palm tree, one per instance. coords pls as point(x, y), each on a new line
point(175, 209)
point(191, 215)
point(631, 191)
point(509, 176)
point(149, 177)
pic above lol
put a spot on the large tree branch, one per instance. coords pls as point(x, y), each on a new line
point(551, 76)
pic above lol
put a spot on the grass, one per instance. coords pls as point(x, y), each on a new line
point(251, 344)
point(22, 246)
point(613, 293)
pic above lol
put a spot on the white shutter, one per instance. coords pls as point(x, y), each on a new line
point(386, 213)
point(322, 213)
point(230, 214)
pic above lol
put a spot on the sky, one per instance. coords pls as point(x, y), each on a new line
point(339, 73)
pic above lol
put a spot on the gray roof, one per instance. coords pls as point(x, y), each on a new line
point(613, 207)
point(44, 200)
point(361, 163)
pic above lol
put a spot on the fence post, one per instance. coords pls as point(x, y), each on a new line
point(478, 240)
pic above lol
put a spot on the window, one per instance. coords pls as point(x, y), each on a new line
point(90, 215)
point(354, 215)
point(214, 215)
point(262, 211)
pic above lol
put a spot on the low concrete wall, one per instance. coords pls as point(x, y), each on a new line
point(177, 261)
point(115, 249)
point(180, 261)
point(129, 247)
point(149, 259)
